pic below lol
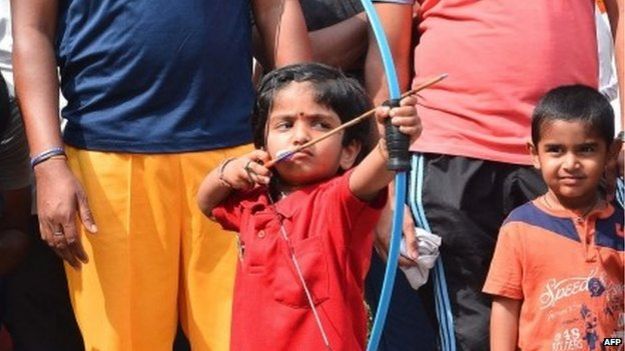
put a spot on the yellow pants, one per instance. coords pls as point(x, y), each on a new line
point(155, 257)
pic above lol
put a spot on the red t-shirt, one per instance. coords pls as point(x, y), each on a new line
point(330, 232)
point(501, 57)
point(568, 272)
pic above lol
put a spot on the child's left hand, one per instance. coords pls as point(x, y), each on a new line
point(405, 117)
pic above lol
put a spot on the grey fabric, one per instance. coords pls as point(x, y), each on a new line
point(14, 162)
point(6, 43)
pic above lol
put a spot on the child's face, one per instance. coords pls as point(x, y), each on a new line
point(572, 159)
point(295, 118)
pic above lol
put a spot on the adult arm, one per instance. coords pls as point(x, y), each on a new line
point(342, 44)
point(614, 10)
point(59, 194)
point(283, 32)
point(397, 23)
point(616, 13)
point(504, 324)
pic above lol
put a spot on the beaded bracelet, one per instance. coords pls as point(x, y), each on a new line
point(46, 155)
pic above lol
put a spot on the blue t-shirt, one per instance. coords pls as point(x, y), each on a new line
point(155, 76)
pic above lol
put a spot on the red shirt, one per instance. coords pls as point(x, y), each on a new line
point(330, 232)
point(501, 57)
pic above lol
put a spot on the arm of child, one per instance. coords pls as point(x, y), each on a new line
point(371, 175)
point(232, 174)
point(504, 323)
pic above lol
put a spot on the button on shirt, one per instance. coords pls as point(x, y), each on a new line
point(329, 230)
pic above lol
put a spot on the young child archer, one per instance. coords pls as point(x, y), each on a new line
point(557, 272)
point(304, 226)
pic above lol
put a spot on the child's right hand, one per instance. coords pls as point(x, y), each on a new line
point(246, 171)
point(404, 116)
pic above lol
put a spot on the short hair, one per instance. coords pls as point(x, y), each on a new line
point(575, 103)
point(333, 89)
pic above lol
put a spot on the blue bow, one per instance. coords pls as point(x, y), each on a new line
point(400, 185)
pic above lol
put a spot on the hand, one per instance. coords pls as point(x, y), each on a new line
point(405, 117)
point(382, 233)
point(59, 197)
point(246, 171)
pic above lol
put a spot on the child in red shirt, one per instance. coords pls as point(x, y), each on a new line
point(557, 271)
point(304, 226)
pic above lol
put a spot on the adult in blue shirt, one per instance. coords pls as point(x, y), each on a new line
point(158, 92)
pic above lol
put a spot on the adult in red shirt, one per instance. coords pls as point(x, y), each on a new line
point(470, 167)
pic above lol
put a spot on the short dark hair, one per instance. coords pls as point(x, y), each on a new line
point(344, 95)
point(575, 103)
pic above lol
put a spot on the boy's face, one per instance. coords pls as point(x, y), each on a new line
point(572, 159)
point(296, 118)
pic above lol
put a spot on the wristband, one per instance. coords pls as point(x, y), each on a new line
point(46, 155)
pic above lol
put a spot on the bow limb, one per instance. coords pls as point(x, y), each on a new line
point(400, 184)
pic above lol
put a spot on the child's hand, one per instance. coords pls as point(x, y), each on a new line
point(246, 171)
point(405, 117)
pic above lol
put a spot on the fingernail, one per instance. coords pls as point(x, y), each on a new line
point(94, 228)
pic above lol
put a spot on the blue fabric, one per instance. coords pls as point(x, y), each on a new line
point(606, 231)
point(442, 301)
point(532, 215)
point(606, 234)
point(155, 76)
point(407, 326)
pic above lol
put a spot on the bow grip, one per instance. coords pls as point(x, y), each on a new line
point(397, 144)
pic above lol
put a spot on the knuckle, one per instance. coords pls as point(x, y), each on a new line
point(81, 195)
